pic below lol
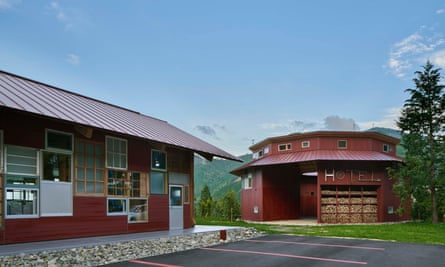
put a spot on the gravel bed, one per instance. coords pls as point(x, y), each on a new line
point(116, 252)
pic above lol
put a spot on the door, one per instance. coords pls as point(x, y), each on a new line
point(176, 207)
point(308, 197)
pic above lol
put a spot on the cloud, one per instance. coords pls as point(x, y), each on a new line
point(207, 130)
point(337, 123)
point(388, 121)
point(290, 126)
point(440, 11)
point(69, 17)
point(73, 59)
point(7, 4)
point(438, 59)
point(416, 48)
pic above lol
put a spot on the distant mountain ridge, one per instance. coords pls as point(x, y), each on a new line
point(216, 173)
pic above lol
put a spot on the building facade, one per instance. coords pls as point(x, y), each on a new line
point(72, 166)
point(335, 177)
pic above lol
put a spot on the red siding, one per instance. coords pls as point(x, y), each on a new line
point(251, 198)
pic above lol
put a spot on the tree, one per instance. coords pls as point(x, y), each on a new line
point(230, 206)
point(422, 125)
point(205, 202)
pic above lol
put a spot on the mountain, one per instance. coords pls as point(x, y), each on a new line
point(216, 175)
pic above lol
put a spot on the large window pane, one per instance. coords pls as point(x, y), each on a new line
point(138, 211)
point(21, 202)
point(59, 140)
point(56, 167)
point(117, 206)
point(157, 183)
point(21, 160)
point(89, 167)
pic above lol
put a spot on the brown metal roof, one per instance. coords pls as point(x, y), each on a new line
point(27, 95)
point(318, 155)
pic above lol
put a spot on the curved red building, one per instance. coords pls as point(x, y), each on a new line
point(336, 177)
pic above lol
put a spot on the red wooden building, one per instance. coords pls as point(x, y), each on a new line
point(72, 166)
point(336, 177)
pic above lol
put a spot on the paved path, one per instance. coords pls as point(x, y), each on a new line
point(282, 250)
point(32, 247)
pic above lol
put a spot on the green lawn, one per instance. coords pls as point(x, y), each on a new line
point(415, 232)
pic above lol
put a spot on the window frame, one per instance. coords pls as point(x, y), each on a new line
point(287, 146)
point(117, 213)
point(387, 148)
point(116, 153)
point(248, 181)
point(23, 216)
point(305, 144)
point(57, 149)
point(37, 158)
point(57, 152)
point(84, 168)
point(165, 183)
point(340, 142)
point(154, 164)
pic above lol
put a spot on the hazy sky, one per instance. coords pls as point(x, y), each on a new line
point(231, 72)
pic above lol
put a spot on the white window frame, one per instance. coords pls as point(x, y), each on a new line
point(118, 213)
point(37, 156)
point(287, 147)
point(387, 148)
point(342, 147)
point(22, 216)
point(56, 149)
point(305, 144)
point(248, 181)
point(120, 153)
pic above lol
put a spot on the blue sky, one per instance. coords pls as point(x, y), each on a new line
point(231, 72)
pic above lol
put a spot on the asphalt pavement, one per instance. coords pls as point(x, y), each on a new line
point(287, 250)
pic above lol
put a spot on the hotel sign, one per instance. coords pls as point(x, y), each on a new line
point(352, 175)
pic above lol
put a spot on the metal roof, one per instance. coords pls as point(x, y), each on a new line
point(23, 94)
point(318, 155)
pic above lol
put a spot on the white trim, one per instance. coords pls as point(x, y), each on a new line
point(37, 161)
point(342, 147)
point(287, 146)
point(120, 213)
point(106, 153)
point(305, 144)
point(25, 216)
point(55, 149)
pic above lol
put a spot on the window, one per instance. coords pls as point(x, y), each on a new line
point(266, 150)
point(21, 202)
point(387, 148)
point(117, 206)
point(284, 147)
point(138, 211)
point(157, 182)
point(116, 183)
point(59, 140)
point(158, 160)
point(56, 166)
point(22, 160)
point(342, 144)
point(247, 181)
point(135, 184)
point(116, 153)
point(90, 167)
point(305, 144)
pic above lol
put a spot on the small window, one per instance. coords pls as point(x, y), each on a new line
point(157, 183)
point(342, 144)
point(21, 202)
point(284, 147)
point(116, 153)
point(247, 181)
point(116, 183)
point(56, 167)
point(387, 148)
point(138, 210)
point(59, 140)
point(117, 206)
point(266, 150)
point(305, 144)
point(158, 160)
point(22, 160)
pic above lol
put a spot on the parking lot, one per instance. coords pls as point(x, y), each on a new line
point(285, 250)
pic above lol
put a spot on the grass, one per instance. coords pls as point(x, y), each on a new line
point(413, 232)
